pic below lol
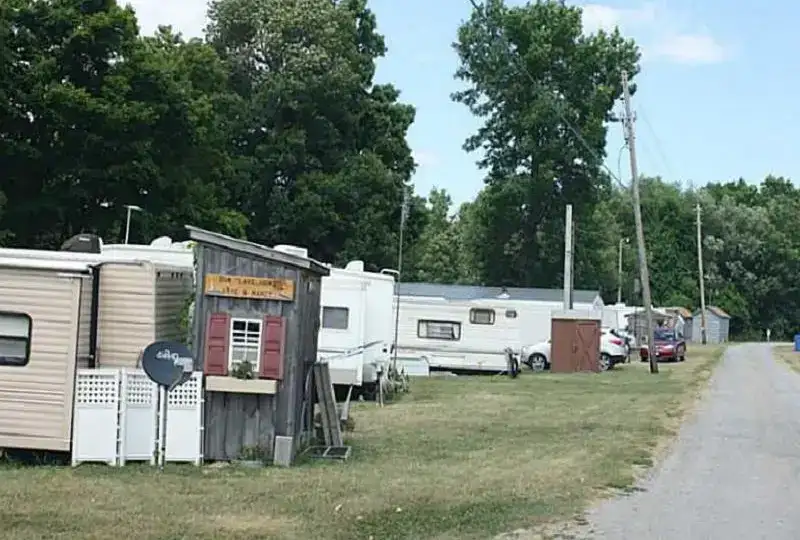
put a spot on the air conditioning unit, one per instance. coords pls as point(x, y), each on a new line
point(297, 251)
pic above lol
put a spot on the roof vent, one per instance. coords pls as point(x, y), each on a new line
point(355, 266)
point(297, 251)
point(504, 294)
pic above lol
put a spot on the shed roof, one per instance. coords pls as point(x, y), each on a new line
point(640, 313)
point(475, 292)
point(715, 310)
point(252, 249)
point(682, 311)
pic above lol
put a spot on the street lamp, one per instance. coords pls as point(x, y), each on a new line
point(131, 208)
point(619, 269)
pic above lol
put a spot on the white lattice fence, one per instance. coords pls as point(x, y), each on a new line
point(139, 415)
point(185, 421)
point(95, 427)
point(117, 418)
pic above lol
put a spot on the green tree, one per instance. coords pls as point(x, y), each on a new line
point(529, 71)
point(437, 254)
point(323, 159)
point(102, 118)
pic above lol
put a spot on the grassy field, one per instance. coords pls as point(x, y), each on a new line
point(459, 458)
point(786, 353)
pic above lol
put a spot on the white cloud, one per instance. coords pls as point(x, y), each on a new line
point(691, 49)
point(658, 31)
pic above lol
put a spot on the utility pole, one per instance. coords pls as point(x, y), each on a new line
point(569, 245)
point(403, 218)
point(702, 276)
point(619, 270)
point(644, 273)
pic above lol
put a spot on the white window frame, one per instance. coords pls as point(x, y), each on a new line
point(248, 345)
point(423, 323)
point(489, 311)
point(4, 334)
point(337, 308)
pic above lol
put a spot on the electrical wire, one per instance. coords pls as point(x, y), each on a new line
point(508, 48)
point(619, 165)
point(658, 145)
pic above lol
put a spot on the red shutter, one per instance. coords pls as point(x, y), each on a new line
point(218, 338)
point(273, 347)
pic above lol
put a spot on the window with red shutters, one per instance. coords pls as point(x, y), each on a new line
point(273, 347)
point(218, 339)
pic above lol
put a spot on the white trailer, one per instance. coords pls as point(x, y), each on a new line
point(357, 330)
point(454, 327)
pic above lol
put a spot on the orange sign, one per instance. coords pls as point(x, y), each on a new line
point(254, 288)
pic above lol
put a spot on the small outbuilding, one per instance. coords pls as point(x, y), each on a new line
point(256, 321)
point(575, 342)
point(718, 325)
point(682, 321)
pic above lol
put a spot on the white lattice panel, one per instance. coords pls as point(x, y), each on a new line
point(139, 411)
point(185, 421)
point(95, 429)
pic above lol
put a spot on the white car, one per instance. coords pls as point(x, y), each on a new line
point(612, 352)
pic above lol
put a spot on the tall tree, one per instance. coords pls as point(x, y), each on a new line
point(532, 76)
point(98, 118)
point(323, 151)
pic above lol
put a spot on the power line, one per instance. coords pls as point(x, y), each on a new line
point(501, 35)
point(619, 164)
point(658, 145)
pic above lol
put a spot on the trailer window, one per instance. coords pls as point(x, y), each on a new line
point(15, 339)
point(511, 314)
point(446, 330)
point(245, 343)
point(335, 318)
point(481, 316)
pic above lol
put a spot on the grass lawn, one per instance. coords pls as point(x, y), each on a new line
point(787, 354)
point(459, 458)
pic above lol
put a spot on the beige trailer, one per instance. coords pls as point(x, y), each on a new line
point(40, 304)
point(57, 315)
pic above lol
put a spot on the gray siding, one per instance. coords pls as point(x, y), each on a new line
point(237, 420)
point(717, 328)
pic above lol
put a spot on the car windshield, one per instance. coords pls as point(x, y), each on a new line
point(664, 335)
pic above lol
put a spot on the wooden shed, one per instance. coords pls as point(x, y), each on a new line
point(718, 324)
point(575, 344)
point(682, 321)
point(256, 321)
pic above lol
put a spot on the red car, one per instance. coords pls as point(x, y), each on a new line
point(668, 346)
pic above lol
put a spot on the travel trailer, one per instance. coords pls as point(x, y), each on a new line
point(356, 329)
point(60, 311)
point(455, 327)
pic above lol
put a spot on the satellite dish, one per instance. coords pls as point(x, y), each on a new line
point(168, 363)
point(82, 243)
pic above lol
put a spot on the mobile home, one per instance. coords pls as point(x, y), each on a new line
point(469, 327)
point(356, 331)
point(41, 342)
point(82, 312)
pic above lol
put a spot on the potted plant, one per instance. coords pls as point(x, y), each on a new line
point(243, 370)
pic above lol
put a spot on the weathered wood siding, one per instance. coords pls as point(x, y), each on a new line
point(236, 420)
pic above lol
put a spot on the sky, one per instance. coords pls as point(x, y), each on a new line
point(715, 101)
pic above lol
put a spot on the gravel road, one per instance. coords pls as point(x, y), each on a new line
point(734, 471)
